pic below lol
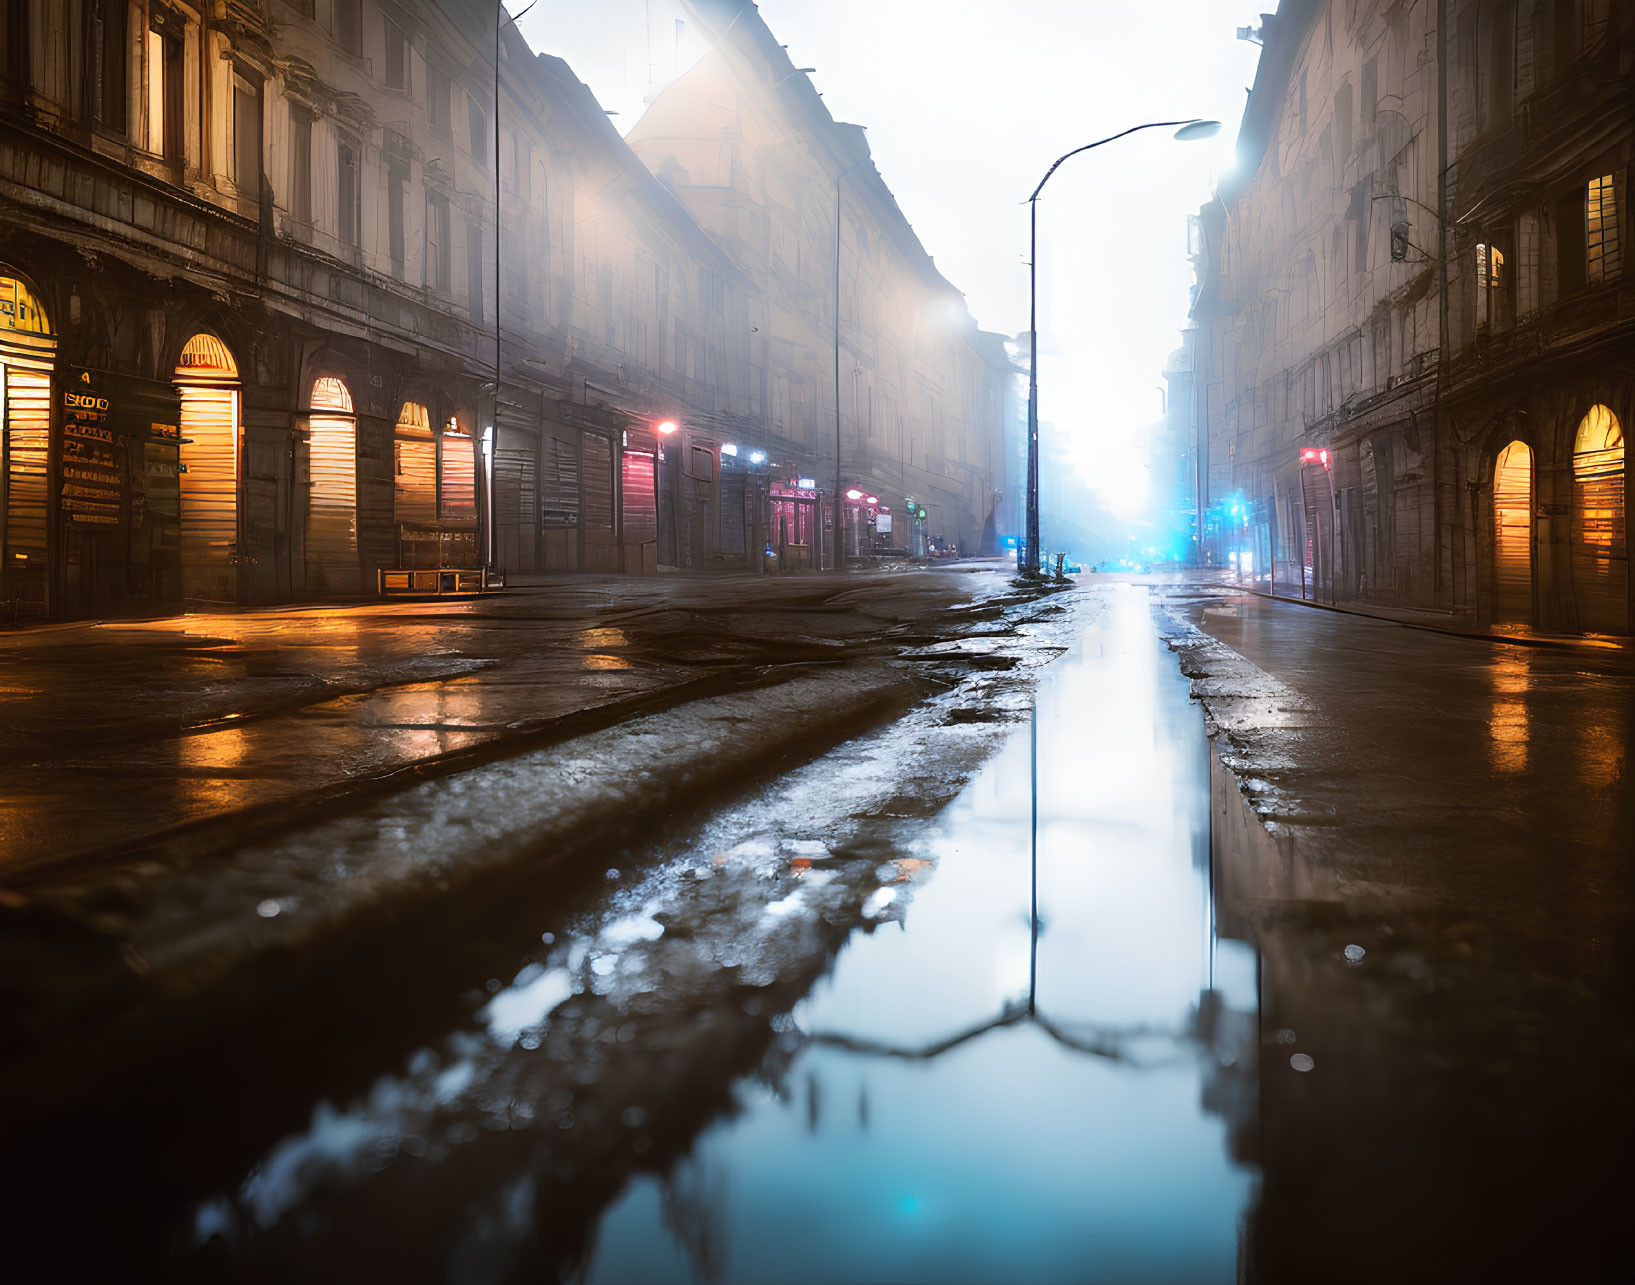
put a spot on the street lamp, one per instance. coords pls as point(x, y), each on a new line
point(1189, 131)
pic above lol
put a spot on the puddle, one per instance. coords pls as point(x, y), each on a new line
point(964, 1099)
point(817, 1037)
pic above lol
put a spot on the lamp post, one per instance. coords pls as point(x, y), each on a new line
point(1190, 130)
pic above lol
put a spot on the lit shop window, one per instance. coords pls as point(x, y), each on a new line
point(414, 494)
point(333, 446)
point(457, 499)
point(207, 377)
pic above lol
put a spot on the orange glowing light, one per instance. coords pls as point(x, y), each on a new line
point(668, 426)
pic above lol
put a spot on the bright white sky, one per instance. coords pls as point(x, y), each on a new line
point(967, 102)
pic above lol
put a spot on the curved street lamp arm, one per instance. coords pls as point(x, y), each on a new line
point(1155, 124)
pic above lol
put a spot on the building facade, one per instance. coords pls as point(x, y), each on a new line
point(865, 360)
point(1413, 325)
point(263, 336)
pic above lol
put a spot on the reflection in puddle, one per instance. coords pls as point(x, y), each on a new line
point(965, 1115)
point(599, 638)
point(211, 766)
point(1512, 679)
point(1602, 745)
point(988, 1082)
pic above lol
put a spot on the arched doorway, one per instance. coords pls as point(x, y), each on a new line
point(1513, 536)
point(207, 378)
point(1600, 552)
point(414, 488)
point(28, 350)
point(332, 493)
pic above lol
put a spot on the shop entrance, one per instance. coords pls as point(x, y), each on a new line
point(1600, 551)
point(27, 353)
point(207, 377)
point(332, 499)
point(1513, 536)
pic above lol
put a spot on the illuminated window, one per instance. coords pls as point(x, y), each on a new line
point(1600, 566)
point(1599, 442)
point(1513, 534)
point(27, 352)
point(332, 455)
point(457, 475)
point(414, 492)
point(1604, 256)
point(1492, 286)
point(207, 378)
point(159, 71)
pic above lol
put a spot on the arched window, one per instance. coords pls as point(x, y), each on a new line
point(332, 499)
point(207, 377)
point(1600, 554)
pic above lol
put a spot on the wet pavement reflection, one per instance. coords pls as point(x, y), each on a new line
point(827, 1033)
point(955, 1108)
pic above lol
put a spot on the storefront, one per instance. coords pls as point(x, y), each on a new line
point(639, 496)
point(796, 529)
point(210, 443)
point(332, 494)
point(516, 494)
point(27, 353)
point(1513, 535)
point(1600, 553)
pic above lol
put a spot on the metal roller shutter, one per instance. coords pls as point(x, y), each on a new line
point(27, 444)
point(1600, 554)
point(596, 490)
point(641, 507)
point(209, 492)
point(332, 513)
point(1513, 535)
point(559, 479)
point(516, 501)
point(732, 508)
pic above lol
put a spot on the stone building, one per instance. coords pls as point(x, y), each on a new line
point(262, 337)
point(1414, 327)
point(857, 341)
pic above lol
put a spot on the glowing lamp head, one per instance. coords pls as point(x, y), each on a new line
point(1195, 130)
point(668, 426)
point(757, 457)
point(854, 494)
point(871, 500)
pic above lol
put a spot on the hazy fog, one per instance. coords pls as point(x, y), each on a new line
point(966, 106)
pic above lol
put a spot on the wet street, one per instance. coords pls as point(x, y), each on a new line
point(827, 1033)
point(1031, 988)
